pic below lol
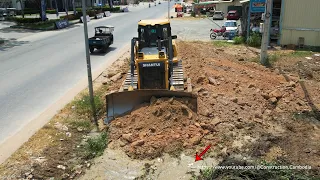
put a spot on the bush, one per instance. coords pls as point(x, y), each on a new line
point(96, 146)
point(254, 40)
point(238, 40)
point(91, 13)
point(193, 14)
point(51, 11)
point(71, 17)
point(24, 20)
point(28, 11)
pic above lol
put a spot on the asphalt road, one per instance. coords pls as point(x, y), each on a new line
point(36, 74)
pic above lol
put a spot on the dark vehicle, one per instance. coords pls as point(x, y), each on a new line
point(102, 39)
point(218, 15)
point(233, 15)
point(159, 2)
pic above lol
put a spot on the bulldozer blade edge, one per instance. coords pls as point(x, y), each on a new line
point(120, 103)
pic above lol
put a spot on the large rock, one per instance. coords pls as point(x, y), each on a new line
point(195, 140)
point(60, 126)
point(275, 93)
point(138, 143)
point(110, 74)
point(116, 77)
point(212, 81)
point(127, 137)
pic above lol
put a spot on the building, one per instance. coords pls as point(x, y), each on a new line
point(10, 4)
point(224, 5)
point(294, 22)
point(50, 3)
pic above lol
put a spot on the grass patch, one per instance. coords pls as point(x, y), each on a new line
point(300, 54)
point(40, 25)
point(84, 124)
point(239, 40)
point(96, 146)
point(254, 40)
point(83, 105)
point(221, 44)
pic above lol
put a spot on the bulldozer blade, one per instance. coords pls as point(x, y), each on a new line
point(120, 103)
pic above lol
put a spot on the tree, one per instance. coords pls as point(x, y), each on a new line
point(22, 6)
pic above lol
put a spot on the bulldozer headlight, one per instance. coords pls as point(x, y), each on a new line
point(161, 54)
point(140, 55)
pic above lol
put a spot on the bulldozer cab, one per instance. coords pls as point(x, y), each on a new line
point(148, 35)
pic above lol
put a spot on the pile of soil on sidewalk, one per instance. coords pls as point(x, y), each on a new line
point(243, 108)
point(163, 125)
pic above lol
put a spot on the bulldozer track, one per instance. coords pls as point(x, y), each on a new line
point(178, 79)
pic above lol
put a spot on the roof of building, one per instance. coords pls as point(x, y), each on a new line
point(153, 22)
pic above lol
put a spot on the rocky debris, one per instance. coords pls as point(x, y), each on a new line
point(201, 79)
point(127, 137)
point(106, 81)
point(213, 81)
point(291, 84)
point(110, 74)
point(167, 116)
point(195, 140)
point(61, 127)
point(68, 134)
point(79, 129)
point(116, 77)
point(251, 85)
point(234, 99)
point(275, 94)
point(137, 143)
point(61, 167)
point(273, 100)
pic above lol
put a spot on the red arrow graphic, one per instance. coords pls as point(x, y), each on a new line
point(198, 157)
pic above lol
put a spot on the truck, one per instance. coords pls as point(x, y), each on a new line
point(102, 39)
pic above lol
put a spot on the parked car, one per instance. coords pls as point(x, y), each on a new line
point(218, 15)
point(231, 25)
point(233, 15)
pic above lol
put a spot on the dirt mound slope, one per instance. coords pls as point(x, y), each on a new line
point(164, 125)
point(243, 108)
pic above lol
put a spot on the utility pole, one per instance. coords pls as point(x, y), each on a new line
point(168, 9)
point(88, 62)
point(266, 32)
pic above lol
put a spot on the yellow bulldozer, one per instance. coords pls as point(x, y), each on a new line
point(155, 70)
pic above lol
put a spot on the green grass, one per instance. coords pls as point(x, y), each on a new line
point(221, 44)
point(277, 56)
point(83, 105)
point(96, 146)
point(300, 53)
point(40, 25)
point(84, 124)
point(254, 40)
point(239, 40)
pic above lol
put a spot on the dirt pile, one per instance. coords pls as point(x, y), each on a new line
point(164, 125)
point(243, 108)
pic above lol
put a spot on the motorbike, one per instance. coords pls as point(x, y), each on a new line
point(214, 33)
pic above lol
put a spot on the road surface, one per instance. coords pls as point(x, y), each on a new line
point(36, 74)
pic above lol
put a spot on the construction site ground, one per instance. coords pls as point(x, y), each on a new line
point(248, 113)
